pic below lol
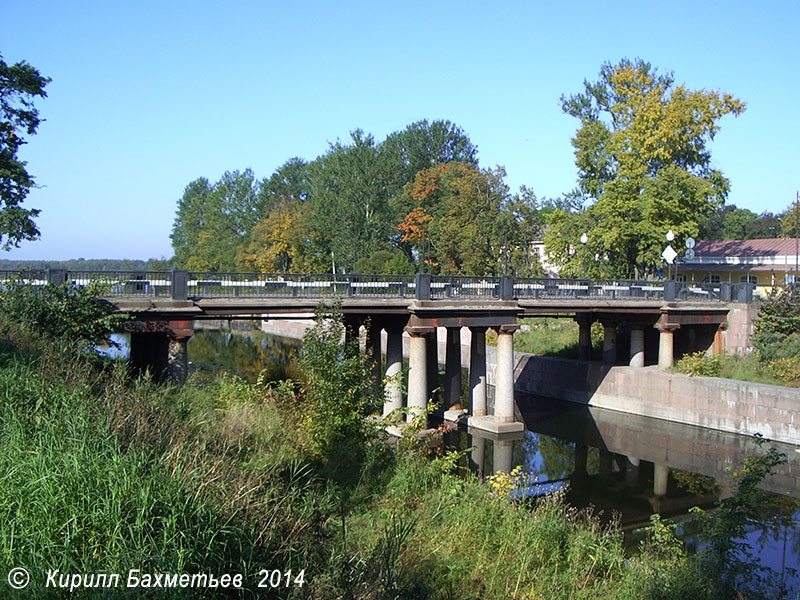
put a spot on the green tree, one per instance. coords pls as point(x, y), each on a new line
point(423, 145)
point(214, 220)
point(350, 187)
point(790, 221)
point(643, 160)
point(20, 85)
point(289, 182)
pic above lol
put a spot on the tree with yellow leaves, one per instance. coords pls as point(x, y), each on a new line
point(644, 164)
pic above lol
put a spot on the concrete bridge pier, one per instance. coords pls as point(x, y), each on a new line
point(452, 372)
point(477, 372)
point(610, 342)
point(504, 385)
point(417, 371)
point(393, 390)
point(584, 336)
point(660, 479)
point(159, 347)
point(666, 345)
point(637, 347)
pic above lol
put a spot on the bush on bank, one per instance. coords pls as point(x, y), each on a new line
point(104, 474)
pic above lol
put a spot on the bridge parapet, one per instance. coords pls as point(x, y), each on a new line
point(182, 285)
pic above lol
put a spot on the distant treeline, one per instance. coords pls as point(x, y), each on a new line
point(88, 264)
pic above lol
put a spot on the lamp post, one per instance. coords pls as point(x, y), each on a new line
point(670, 237)
point(584, 239)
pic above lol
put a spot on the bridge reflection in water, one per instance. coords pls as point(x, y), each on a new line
point(628, 467)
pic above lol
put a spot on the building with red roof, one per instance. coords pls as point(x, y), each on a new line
point(767, 262)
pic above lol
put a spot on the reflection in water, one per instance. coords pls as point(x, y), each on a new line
point(628, 468)
point(246, 354)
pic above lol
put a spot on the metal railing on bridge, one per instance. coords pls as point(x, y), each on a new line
point(183, 285)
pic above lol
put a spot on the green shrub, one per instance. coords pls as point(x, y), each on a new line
point(700, 364)
point(777, 329)
point(62, 311)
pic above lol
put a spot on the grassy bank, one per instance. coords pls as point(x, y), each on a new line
point(104, 474)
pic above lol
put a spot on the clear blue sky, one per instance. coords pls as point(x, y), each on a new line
point(147, 96)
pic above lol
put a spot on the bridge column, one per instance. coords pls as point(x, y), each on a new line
point(584, 337)
point(417, 367)
point(393, 390)
point(609, 343)
point(452, 370)
point(177, 359)
point(631, 471)
point(637, 347)
point(666, 356)
point(373, 344)
point(660, 479)
point(504, 374)
point(432, 349)
point(479, 453)
point(477, 372)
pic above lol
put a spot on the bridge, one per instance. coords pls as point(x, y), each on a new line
point(649, 314)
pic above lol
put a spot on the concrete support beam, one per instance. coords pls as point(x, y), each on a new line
point(606, 465)
point(477, 372)
point(479, 453)
point(660, 479)
point(609, 343)
point(417, 373)
point(452, 372)
point(584, 338)
point(393, 390)
point(637, 347)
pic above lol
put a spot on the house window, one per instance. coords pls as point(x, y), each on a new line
point(749, 279)
point(680, 277)
point(711, 278)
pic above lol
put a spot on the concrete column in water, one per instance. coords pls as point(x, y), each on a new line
point(452, 370)
point(660, 479)
point(417, 367)
point(584, 337)
point(504, 375)
point(609, 343)
point(637, 347)
point(479, 453)
point(666, 356)
point(477, 372)
point(393, 391)
point(177, 359)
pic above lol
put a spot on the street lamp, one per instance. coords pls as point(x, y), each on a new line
point(584, 239)
point(669, 253)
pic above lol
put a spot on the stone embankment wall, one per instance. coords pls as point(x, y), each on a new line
point(723, 404)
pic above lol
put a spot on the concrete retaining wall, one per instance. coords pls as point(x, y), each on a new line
point(723, 404)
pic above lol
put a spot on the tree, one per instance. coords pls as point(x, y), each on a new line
point(642, 157)
point(790, 221)
point(20, 85)
point(350, 187)
point(461, 220)
point(289, 182)
point(213, 221)
point(278, 241)
point(423, 145)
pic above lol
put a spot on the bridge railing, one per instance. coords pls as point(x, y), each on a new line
point(594, 289)
point(184, 285)
point(225, 285)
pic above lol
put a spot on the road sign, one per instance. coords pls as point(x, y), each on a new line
point(669, 254)
point(690, 244)
point(689, 253)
